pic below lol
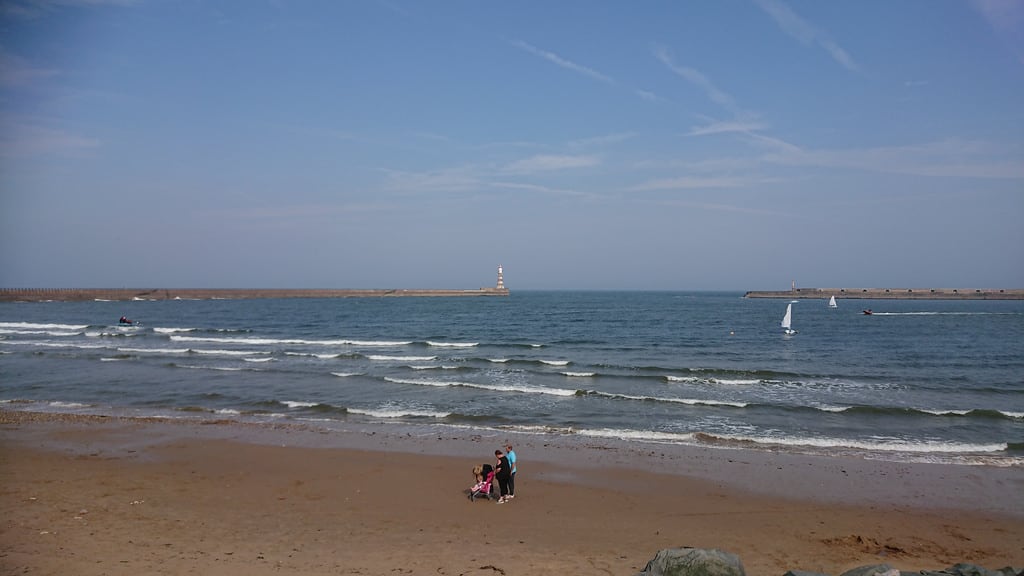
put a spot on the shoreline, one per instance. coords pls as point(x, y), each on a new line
point(830, 479)
point(131, 495)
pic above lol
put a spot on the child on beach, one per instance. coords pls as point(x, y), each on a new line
point(478, 476)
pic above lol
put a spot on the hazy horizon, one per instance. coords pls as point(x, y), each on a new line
point(705, 146)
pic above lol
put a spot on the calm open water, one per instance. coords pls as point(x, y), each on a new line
point(917, 381)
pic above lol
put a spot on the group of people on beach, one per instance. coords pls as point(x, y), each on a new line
point(504, 472)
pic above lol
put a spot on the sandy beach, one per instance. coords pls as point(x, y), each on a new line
point(94, 495)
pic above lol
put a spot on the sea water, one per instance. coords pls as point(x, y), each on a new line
point(927, 380)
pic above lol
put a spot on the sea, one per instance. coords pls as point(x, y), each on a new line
point(917, 381)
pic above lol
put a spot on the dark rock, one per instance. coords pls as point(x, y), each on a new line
point(872, 570)
point(803, 573)
point(693, 562)
point(972, 570)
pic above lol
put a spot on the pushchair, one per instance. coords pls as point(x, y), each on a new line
point(483, 488)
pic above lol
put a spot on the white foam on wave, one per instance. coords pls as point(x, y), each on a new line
point(345, 374)
point(401, 358)
point(398, 413)
point(57, 345)
point(311, 355)
point(831, 408)
point(154, 350)
point(691, 379)
point(636, 435)
point(492, 387)
point(172, 330)
point(117, 333)
point(58, 404)
point(258, 359)
point(712, 380)
point(498, 360)
point(228, 352)
point(579, 374)
point(39, 326)
point(555, 362)
point(453, 344)
point(689, 401)
point(290, 341)
point(876, 444)
point(216, 368)
point(734, 381)
point(38, 332)
point(946, 412)
point(296, 404)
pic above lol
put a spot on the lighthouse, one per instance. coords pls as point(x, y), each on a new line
point(501, 279)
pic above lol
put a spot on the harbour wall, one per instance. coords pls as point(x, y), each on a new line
point(121, 294)
point(894, 293)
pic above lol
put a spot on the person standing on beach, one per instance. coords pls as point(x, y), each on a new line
point(511, 455)
point(502, 471)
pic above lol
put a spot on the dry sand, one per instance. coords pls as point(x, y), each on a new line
point(88, 495)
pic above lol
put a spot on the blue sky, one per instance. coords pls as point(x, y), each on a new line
point(733, 145)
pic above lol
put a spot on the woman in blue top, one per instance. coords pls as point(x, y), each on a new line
point(511, 455)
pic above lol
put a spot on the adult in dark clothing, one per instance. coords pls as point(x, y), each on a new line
point(502, 471)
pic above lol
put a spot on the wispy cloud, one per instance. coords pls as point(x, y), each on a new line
point(21, 140)
point(37, 8)
point(431, 136)
point(949, 158)
point(805, 32)
point(698, 183)
point(602, 140)
point(649, 96)
point(1006, 17)
point(536, 188)
point(773, 143)
point(463, 179)
point(696, 78)
point(564, 63)
point(547, 163)
point(750, 129)
point(726, 128)
point(16, 71)
point(719, 207)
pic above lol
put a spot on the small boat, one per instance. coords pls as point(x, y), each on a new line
point(832, 302)
point(787, 320)
point(868, 312)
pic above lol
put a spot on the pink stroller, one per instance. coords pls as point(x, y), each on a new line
point(482, 489)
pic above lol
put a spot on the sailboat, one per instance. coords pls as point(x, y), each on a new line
point(832, 302)
point(787, 320)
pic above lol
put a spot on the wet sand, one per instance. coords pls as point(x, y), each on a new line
point(92, 495)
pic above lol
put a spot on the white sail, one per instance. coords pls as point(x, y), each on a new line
point(787, 319)
point(832, 302)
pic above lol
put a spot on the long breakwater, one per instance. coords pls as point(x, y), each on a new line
point(893, 293)
point(123, 294)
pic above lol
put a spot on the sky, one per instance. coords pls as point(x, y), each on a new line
point(599, 145)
